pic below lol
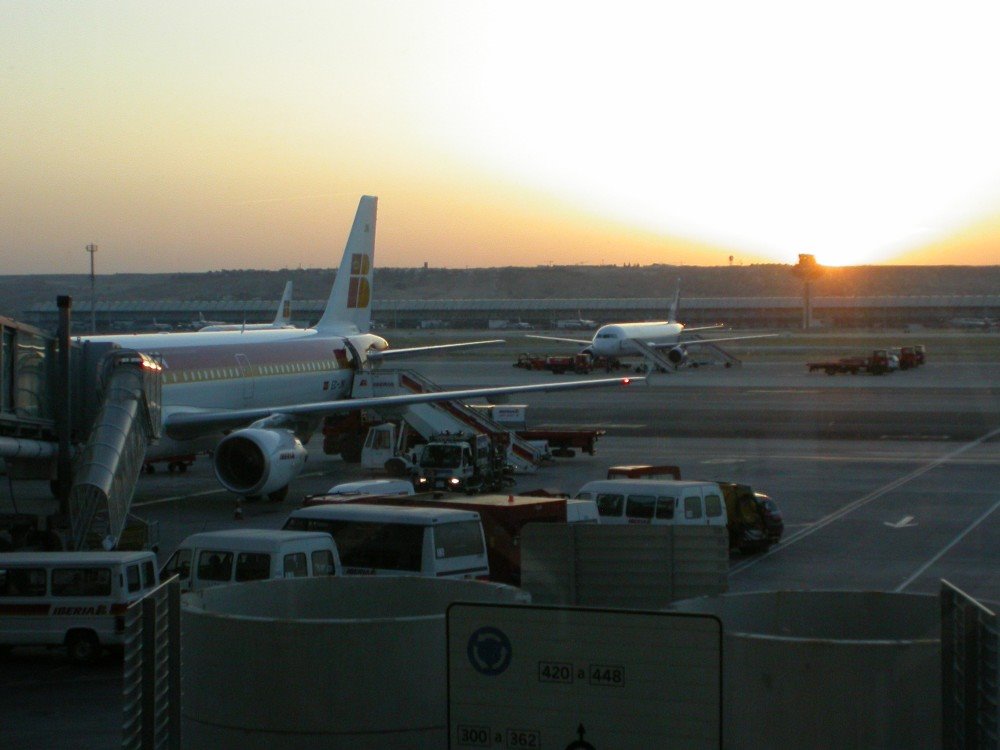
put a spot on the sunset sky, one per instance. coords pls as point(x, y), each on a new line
point(190, 136)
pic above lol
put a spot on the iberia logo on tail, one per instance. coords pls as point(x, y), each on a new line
point(359, 293)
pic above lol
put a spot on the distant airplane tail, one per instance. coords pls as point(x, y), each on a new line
point(675, 306)
point(348, 310)
point(284, 315)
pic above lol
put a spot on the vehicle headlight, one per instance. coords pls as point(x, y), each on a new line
point(454, 480)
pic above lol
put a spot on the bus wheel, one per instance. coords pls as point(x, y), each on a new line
point(83, 646)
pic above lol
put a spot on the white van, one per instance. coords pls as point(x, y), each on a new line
point(72, 599)
point(395, 540)
point(372, 487)
point(215, 558)
point(656, 501)
point(581, 510)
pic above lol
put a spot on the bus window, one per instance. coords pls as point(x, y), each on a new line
point(713, 506)
point(295, 565)
point(322, 560)
point(215, 565)
point(458, 539)
point(387, 546)
point(81, 582)
point(133, 577)
point(609, 505)
point(253, 566)
point(179, 564)
point(22, 582)
point(148, 574)
point(665, 507)
point(640, 506)
point(692, 507)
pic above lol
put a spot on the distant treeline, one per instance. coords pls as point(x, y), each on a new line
point(18, 293)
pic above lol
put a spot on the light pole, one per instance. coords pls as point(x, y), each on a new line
point(92, 249)
point(808, 270)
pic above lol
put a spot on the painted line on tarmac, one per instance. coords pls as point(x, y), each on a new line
point(861, 502)
point(923, 568)
point(204, 493)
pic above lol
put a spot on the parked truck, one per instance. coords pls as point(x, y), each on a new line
point(877, 363)
point(562, 441)
point(753, 519)
point(462, 462)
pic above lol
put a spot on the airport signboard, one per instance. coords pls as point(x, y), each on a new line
point(570, 678)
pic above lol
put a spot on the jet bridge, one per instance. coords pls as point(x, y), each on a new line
point(107, 468)
point(443, 416)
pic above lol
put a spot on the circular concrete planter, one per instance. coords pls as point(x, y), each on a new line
point(828, 669)
point(321, 662)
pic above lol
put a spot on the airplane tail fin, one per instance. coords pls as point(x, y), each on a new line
point(675, 305)
point(284, 315)
point(348, 310)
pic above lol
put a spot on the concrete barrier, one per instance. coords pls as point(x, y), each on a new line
point(828, 669)
point(321, 662)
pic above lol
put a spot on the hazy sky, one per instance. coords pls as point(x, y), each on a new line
point(187, 136)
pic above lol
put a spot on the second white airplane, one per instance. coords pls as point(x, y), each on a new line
point(658, 341)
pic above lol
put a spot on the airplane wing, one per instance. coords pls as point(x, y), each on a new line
point(704, 328)
point(385, 353)
point(695, 342)
point(189, 425)
point(557, 338)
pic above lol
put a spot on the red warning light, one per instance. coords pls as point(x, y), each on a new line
point(626, 381)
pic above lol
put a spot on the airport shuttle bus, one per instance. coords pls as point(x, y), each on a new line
point(656, 501)
point(406, 541)
point(72, 599)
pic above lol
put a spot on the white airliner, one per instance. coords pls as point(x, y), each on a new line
point(649, 339)
point(270, 389)
point(282, 319)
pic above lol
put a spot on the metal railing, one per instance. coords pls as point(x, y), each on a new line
point(969, 653)
point(151, 689)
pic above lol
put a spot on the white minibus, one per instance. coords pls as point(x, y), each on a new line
point(395, 540)
point(656, 501)
point(215, 558)
point(72, 599)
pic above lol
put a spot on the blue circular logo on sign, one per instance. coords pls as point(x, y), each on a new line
point(489, 651)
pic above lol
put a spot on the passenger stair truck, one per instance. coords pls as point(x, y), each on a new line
point(427, 421)
point(106, 470)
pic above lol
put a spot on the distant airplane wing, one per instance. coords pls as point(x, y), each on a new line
point(385, 353)
point(696, 342)
point(191, 424)
point(557, 338)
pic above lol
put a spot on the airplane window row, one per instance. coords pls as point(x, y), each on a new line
point(222, 373)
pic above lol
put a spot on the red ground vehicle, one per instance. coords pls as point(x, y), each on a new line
point(644, 471)
point(345, 433)
point(578, 363)
point(908, 358)
point(530, 361)
point(564, 443)
point(877, 363)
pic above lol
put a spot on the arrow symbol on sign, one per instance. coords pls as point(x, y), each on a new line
point(904, 523)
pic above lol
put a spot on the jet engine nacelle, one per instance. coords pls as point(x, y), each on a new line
point(677, 356)
point(258, 461)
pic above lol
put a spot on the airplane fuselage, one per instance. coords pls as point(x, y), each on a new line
point(616, 339)
point(231, 370)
